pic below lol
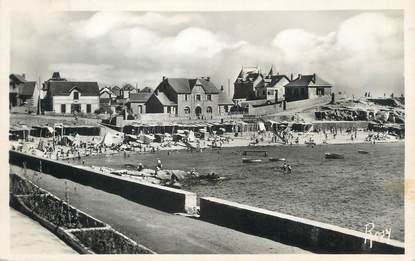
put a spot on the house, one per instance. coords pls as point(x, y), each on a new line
point(125, 91)
point(249, 78)
point(106, 96)
point(225, 103)
point(307, 87)
point(185, 97)
point(116, 90)
point(273, 87)
point(147, 89)
point(22, 92)
point(63, 96)
point(138, 102)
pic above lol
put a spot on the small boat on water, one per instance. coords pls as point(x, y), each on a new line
point(276, 159)
point(245, 160)
point(363, 152)
point(334, 156)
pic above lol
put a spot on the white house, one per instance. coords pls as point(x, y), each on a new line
point(64, 96)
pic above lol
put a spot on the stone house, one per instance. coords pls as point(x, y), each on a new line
point(307, 87)
point(193, 98)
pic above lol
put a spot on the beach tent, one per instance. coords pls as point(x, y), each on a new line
point(111, 138)
point(146, 139)
point(261, 126)
point(191, 136)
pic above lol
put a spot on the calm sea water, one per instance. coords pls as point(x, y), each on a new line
point(350, 192)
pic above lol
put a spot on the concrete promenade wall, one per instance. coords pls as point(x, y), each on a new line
point(155, 196)
point(310, 235)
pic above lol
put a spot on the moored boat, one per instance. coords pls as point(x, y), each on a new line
point(276, 159)
point(245, 160)
point(363, 152)
point(334, 156)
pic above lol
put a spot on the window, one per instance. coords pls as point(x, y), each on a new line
point(198, 97)
point(209, 109)
point(140, 109)
point(168, 109)
point(185, 97)
point(209, 97)
point(76, 95)
point(186, 110)
point(88, 108)
point(226, 108)
point(75, 107)
point(63, 108)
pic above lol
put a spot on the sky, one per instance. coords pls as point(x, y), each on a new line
point(356, 51)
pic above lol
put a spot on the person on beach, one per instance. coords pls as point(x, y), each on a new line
point(159, 165)
point(140, 167)
point(284, 167)
point(289, 169)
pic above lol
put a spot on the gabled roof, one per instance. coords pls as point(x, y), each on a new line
point(17, 77)
point(27, 88)
point(128, 87)
point(106, 89)
point(141, 97)
point(63, 88)
point(308, 80)
point(276, 79)
point(208, 86)
point(164, 100)
point(249, 74)
point(224, 99)
point(185, 86)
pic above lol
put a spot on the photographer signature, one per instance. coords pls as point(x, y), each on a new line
point(370, 230)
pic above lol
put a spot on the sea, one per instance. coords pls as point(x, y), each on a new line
point(350, 192)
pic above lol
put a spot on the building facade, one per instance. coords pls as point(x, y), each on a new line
point(307, 87)
point(273, 87)
point(248, 80)
point(193, 98)
point(22, 92)
point(68, 97)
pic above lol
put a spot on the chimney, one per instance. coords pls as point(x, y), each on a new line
point(24, 76)
point(164, 77)
point(314, 78)
point(291, 77)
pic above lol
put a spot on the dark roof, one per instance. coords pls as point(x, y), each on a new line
point(185, 86)
point(27, 88)
point(307, 80)
point(128, 87)
point(224, 99)
point(164, 100)
point(147, 89)
point(63, 88)
point(141, 97)
point(116, 90)
point(56, 77)
point(275, 79)
point(208, 86)
point(17, 77)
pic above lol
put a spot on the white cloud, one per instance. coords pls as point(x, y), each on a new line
point(358, 55)
point(102, 23)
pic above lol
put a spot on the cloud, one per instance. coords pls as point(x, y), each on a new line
point(102, 23)
point(364, 51)
point(358, 56)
